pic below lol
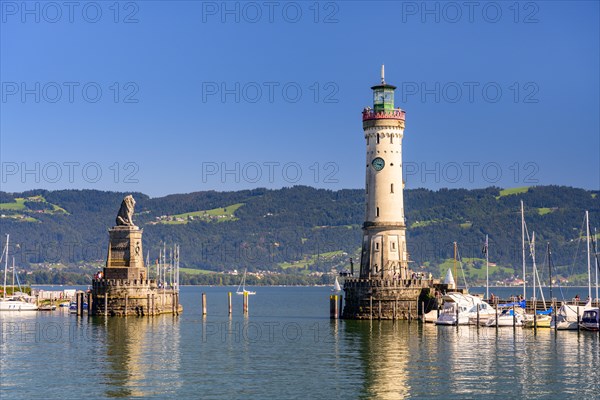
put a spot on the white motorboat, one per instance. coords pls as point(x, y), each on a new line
point(16, 303)
point(458, 308)
point(508, 317)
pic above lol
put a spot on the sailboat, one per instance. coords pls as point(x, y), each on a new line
point(568, 315)
point(13, 303)
point(336, 286)
point(241, 289)
point(540, 319)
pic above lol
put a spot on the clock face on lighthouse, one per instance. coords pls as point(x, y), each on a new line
point(378, 163)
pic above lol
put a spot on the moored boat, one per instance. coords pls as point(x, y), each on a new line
point(508, 317)
point(568, 316)
point(459, 308)
point(590, 320)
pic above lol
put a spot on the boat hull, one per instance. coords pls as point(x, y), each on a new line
point(17, 306)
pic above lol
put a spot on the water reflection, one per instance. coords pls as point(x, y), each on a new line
point(142, 355)
point(402, 360)
point(384, 354)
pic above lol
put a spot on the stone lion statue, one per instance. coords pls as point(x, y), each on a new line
point(125, 215)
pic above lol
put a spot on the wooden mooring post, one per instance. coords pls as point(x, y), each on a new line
point(78, 304)
point(333, 306)
point(514, 316)
point(203, 303)
point(496, 316)
point(245, 305)
point(229, 301)
point(534, 313)
point(554, 312)
point(341, 305)
point(457, 314)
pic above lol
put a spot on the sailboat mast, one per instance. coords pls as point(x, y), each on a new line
point(549, 253)
point(455, 274)
point(487, 269)
point(535, 270)
point(13, 279)
point(5, 266)
point(589, 263)
point(595, 242)
point(532, 251)
point(523, 245)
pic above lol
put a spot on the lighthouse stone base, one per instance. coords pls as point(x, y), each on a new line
point(378, 298)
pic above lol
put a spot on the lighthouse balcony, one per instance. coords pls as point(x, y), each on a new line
point(370, 114)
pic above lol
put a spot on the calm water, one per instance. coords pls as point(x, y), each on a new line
point(286, 348)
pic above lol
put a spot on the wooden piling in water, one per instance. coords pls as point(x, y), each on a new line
point(371, 307)
point(496, 316)
point(423, 311)
point(554, 312)
point(477, 316)
point(203, 303)
point(105, 304)
point(229, 301)
point(534, 314)
point(341, 305)
point(457, 313)
point(333, 311)
point(514, 317)
point(90, 304)
point(126, 304)
point(245, 305)
point(77, 302)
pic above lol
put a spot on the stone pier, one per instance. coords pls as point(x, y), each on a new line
point(375, 298)
point(121, 297)
point(123, 287)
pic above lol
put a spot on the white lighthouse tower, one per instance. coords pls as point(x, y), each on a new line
point(385, 289)
point(384, 231)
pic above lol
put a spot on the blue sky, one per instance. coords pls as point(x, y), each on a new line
point(180, 96)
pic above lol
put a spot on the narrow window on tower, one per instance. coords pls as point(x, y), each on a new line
point(378, 138)
point(367, 188)
point(391, 140)
point(377, 212)
point(392, 188)
point(367, 140)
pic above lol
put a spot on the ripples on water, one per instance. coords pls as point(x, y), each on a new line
point(286, 348)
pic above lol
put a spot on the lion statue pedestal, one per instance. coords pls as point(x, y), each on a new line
point(123, 288)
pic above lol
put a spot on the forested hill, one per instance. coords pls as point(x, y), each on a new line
point(301, 229)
